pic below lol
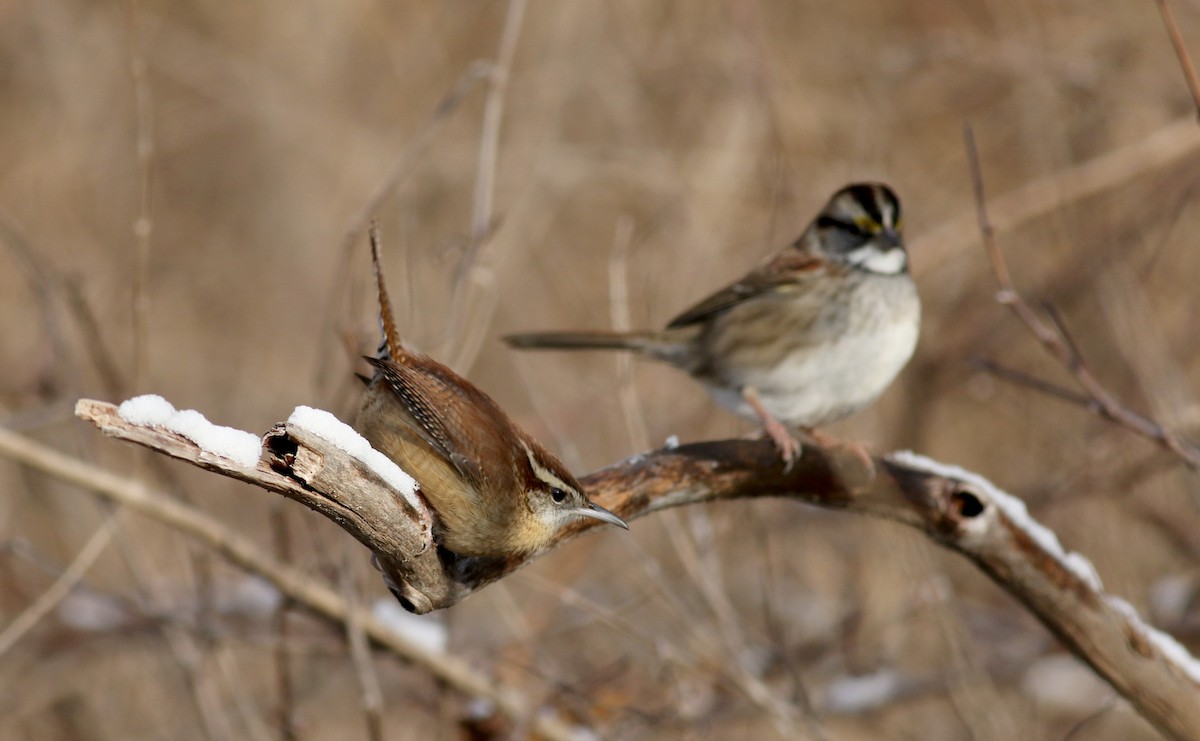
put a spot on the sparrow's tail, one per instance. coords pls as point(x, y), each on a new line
point(599, 340)
point(655, 344)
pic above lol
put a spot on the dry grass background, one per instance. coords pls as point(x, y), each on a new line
point(662, 147)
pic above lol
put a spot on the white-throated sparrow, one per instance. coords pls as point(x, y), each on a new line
point(813, 334)
point(496, 490)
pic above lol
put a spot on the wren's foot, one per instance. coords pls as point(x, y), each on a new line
point(787, 444)
point(859, 450)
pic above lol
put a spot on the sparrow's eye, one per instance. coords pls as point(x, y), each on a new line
point(558, 495)
point(865, 225)
point(828, 222)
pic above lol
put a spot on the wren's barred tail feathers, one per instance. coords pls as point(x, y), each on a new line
point(389, 342)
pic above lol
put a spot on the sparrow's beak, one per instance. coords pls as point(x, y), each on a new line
point(597, 512)
point(890, 238)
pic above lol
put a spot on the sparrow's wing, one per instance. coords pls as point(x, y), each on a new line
point(790, 270)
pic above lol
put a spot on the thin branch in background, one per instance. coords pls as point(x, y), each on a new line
point(42, 280)
point(1056, 340)
point(286, 701)
point(143, 223)
point(1151, 152)
point(1185, 60)
point(93, 340)
point(1021, 378)
point(62, 586)
point(618, 291)
point(483, 221)
point(360, 656)
point(191, 657)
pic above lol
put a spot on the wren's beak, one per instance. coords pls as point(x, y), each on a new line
point(597, 512)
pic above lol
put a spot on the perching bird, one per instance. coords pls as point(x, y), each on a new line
point(812, 335)
point(496, 490)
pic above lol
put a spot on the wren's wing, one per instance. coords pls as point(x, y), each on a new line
point(790, 270)
point(448, 412)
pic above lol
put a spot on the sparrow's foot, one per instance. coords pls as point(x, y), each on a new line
point(859, 450)
point(789, 447)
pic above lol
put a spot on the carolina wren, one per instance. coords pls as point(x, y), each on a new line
point(496, 490)
point(811, 335)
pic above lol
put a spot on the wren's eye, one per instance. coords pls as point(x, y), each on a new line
point(558, 495)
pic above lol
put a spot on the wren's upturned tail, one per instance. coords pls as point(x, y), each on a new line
point(496, 491)
point(814, 333)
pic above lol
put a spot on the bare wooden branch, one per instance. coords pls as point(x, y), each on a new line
point(954, 508)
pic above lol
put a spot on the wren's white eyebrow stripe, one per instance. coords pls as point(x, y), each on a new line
point(542, 472)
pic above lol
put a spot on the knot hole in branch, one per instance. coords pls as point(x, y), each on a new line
point(283, 449)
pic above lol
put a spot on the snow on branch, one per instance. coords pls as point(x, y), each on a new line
point(955, 508)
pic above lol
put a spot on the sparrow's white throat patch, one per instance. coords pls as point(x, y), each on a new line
point(870, 258)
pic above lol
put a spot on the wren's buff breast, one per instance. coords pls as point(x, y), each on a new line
point(813, 334)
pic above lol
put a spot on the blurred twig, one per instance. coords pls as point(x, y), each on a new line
point(1021, 378)
point(360, 655)
point(1054, 337)
point(286, 702)
point(1185, 60)
point(143, 223)
point(483, 223)
point(618, 290)
point(62, 586)
point(1045, 195)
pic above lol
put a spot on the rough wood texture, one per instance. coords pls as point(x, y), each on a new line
point(955, 509)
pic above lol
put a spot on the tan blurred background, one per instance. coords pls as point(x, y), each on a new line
point(646, 150)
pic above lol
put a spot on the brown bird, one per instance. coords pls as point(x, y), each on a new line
point(812, 335)
point(496, 490)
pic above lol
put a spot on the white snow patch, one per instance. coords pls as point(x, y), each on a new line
point(862, 693)
point(426, 632)
point(1014, 509)
point(146, 410)
point(342, 436)
point(239, 446)
point(1170, 648)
